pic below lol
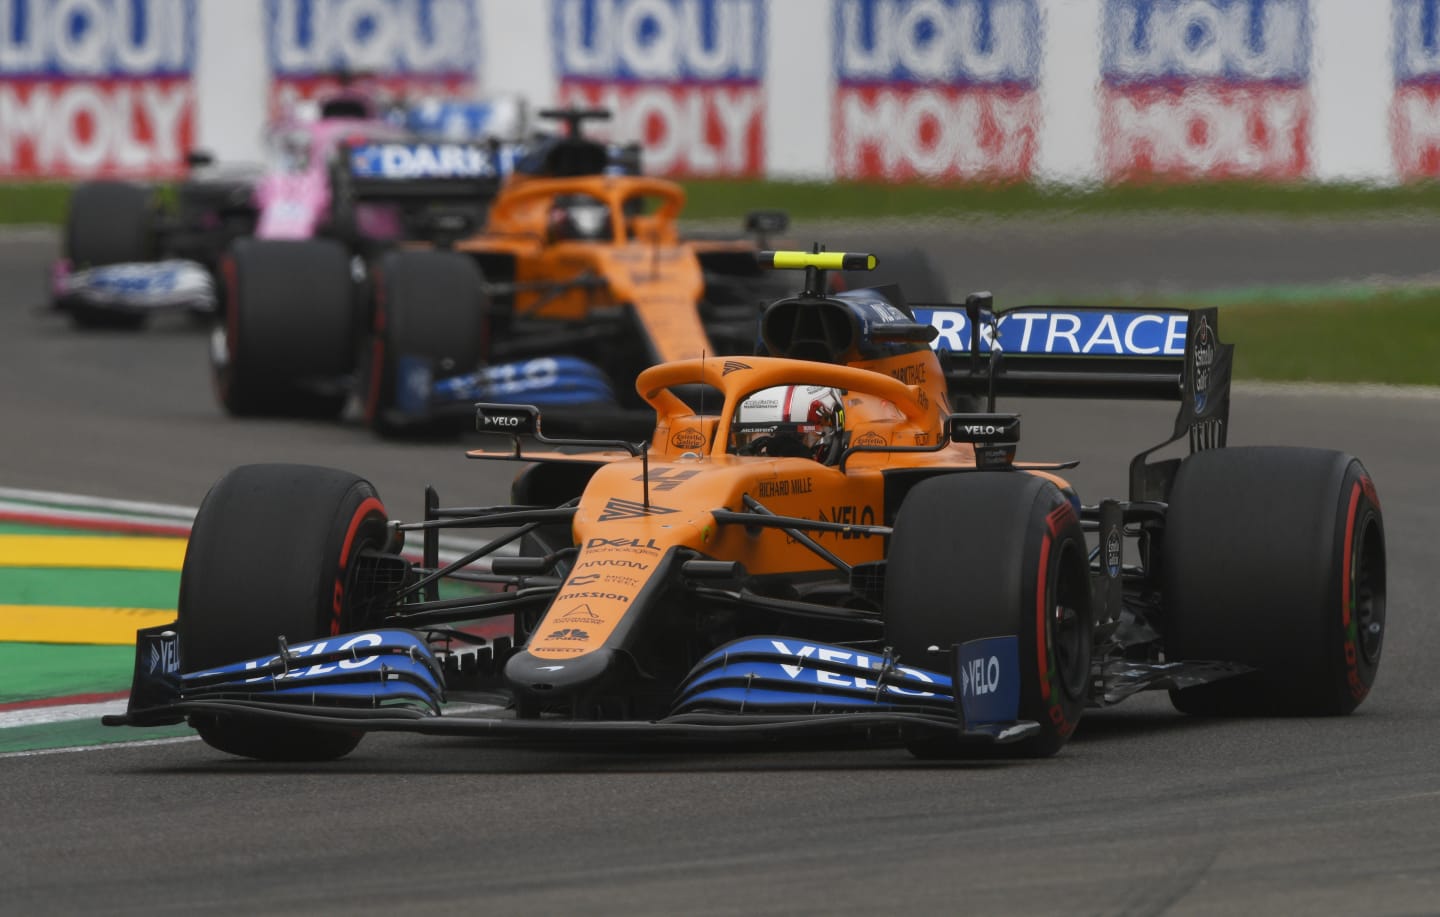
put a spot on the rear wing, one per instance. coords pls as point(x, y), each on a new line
point(423, 170)
point(1093, 352)
point(442, 189)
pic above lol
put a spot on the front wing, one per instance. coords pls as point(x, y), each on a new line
point(758, 687)
point(145, 286)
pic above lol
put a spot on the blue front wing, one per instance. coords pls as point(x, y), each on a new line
point(559, 381)
point(389, 679)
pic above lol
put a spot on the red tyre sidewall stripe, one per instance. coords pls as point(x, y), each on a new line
point(1053, 700)
point(1358, 688)
point(1346, 598)
point(1042, 655)
point(367, 506)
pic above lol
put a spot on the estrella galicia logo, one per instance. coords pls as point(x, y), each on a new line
point(688, 438)
point(568, 633)
point(1202, 361)
point(1112, 553)
point(629, 509)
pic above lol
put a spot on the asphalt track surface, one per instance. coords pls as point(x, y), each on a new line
point(1144, 812)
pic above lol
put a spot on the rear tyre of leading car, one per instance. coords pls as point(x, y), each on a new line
point(989, 554)
point(286, 344)
point(1274, 558)
point(430, 315)
point(273, 552)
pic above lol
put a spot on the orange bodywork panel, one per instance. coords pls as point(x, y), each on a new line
point(630, 517)
point(642, 265)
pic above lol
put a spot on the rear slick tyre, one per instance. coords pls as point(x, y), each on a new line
point(286, 344)
point(273, 553)
point(1274, 558)
point(989, 554)
point(430, 306)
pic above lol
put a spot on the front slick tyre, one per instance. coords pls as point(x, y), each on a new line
point(273, 552)
point(990, 554)
point(1274, 558)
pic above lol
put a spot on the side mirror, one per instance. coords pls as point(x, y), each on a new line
point(994, 436)
point(511, 419)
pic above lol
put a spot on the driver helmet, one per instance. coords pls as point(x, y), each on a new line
point(579, 216)
point(798, 421)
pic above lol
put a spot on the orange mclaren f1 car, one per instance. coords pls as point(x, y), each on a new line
point(577, 279)
point(815, 544)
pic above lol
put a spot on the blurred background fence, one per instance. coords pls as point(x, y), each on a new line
point(1076, 92)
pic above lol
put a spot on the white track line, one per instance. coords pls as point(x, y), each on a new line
point(128, 507)
point(105, 746)
point(59, 713)
point(1341, 390)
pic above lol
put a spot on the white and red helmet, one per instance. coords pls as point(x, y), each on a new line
point(579, 217)
point(799, 421)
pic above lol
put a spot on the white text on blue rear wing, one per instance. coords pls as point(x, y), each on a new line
point(1061, 331)
point(413, 161)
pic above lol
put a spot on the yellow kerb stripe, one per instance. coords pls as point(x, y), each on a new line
point(92, 552)
point(73, 624)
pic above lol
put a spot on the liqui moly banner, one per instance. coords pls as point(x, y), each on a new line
point(96, 87)
point(682, 77)
point(936, 89)
point(1205, 88)
point(1415, 109)
point(407, 48)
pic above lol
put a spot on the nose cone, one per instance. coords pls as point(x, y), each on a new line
point(555, 678)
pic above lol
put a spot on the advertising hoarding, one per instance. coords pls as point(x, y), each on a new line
point(1205, 89)
point(683, 77)
point(96, 88)
point(406, 48)
point(936, 89)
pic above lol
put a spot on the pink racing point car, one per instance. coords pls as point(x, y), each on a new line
point(130, 251)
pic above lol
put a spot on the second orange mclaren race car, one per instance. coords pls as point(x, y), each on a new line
point(817, 544)
point(577, 279)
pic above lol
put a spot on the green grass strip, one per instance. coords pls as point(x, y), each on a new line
point(88, 588)
point(1392, 338)
point(29, 671)
point(25, 528)
point(33, 203)
point(1381, 335)
point(848, 200)
point(722, 198)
